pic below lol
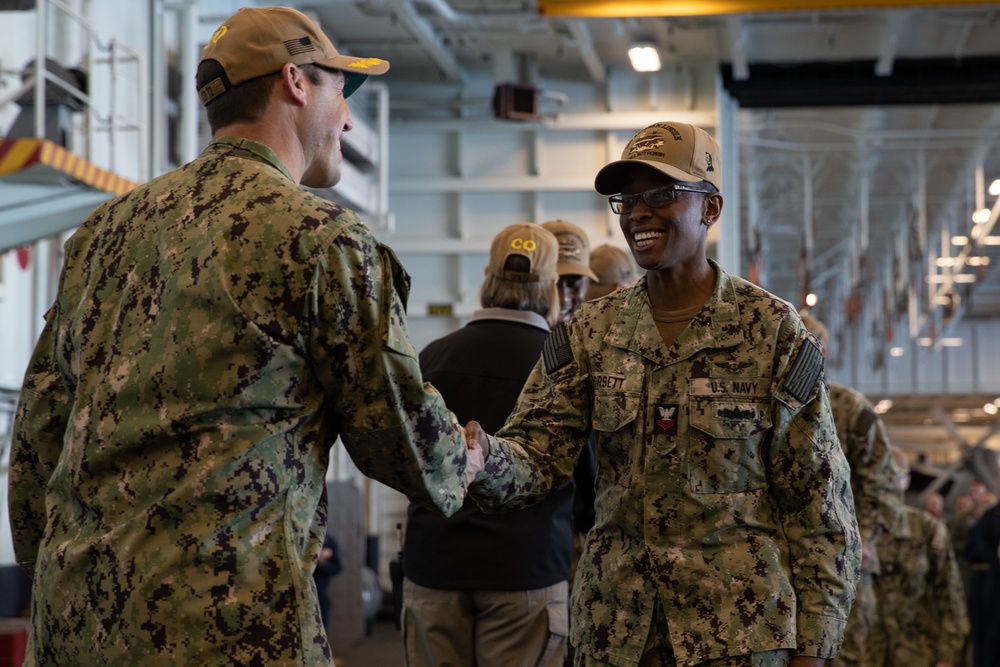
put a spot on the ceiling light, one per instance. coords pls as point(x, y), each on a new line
point(990, 409)
point(990, 240)
point(883, 406)
point(995, 188)
point(940, 342)
point(896, 351)
point(959, 240)
point(981, 216)
point(644, 57)
point(977, 261)
point(945, 261)
point(811, 299)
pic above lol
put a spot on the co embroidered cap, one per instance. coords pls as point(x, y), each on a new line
point(612, 265)
point(681, 151)
point(528, 240)
point(259, 40)
point(574, 249)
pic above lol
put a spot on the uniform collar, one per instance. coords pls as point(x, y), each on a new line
point(717, 324)
point(245, 148)
point(510, 315)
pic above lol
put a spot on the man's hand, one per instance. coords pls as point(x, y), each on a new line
point(475, 436)
point(475, 456)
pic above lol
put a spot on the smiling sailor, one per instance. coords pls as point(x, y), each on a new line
point(725, 531)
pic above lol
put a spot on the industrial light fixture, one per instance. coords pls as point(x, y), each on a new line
point(644, 57)
point(941, 342)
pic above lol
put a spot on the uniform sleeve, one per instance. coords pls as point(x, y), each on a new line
point(537, 449)
point(873, 480)
point(395, 427)
point(946, 591)
point(36, 443)
point(810, 479)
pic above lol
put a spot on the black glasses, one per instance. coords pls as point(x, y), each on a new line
point(655, 198)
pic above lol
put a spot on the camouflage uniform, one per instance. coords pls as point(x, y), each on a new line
point(215, 331)
point(876, 492)
point(722, 492)
point(922, 618)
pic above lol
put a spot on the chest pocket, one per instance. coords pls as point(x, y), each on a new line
point(613, 410)
point(725, 451)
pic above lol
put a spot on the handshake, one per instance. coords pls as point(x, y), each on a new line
point(477, 449)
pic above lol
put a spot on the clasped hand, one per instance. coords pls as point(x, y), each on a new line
point(477, 448)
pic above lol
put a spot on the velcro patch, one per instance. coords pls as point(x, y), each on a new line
point(556, 352)
point(801, 380)
point(665, 419)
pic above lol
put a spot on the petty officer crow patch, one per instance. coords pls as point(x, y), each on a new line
point(665, 419)
point(805, 371)
point(556, 352)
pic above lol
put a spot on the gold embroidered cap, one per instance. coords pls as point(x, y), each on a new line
point(681, 151)
point(256, 41)
point(533, 242)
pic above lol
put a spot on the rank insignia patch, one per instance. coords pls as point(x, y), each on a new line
point(665, 419)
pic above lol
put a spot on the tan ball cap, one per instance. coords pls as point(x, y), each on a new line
point(574, 249)
point(528, 240)
point(256, 41)
point(681, 151)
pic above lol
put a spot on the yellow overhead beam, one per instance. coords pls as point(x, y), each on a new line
point(623, 8)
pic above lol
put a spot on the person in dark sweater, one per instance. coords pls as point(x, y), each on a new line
point(491, 589)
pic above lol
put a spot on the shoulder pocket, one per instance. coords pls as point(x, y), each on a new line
point(394, 293)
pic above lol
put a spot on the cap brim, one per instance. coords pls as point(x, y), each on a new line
point(356, 70)
point(576, 269)
point(611, 179)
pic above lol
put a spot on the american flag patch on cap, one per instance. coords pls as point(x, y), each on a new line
point(297, 46)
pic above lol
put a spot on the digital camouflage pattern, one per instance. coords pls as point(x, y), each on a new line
point(215, 331)
point(876, 491)
point(722, 492)
point(922, 618)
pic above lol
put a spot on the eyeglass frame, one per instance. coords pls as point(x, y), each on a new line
point(673, 188)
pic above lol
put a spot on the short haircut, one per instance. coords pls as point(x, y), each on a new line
point(247, 102)
point(536, 297)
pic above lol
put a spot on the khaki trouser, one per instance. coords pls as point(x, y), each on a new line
point(443, 628)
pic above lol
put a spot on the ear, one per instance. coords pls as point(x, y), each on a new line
point(713, 209)
point(293, 82)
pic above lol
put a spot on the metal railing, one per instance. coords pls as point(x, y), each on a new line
point(113, 54)
point(8, 404)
